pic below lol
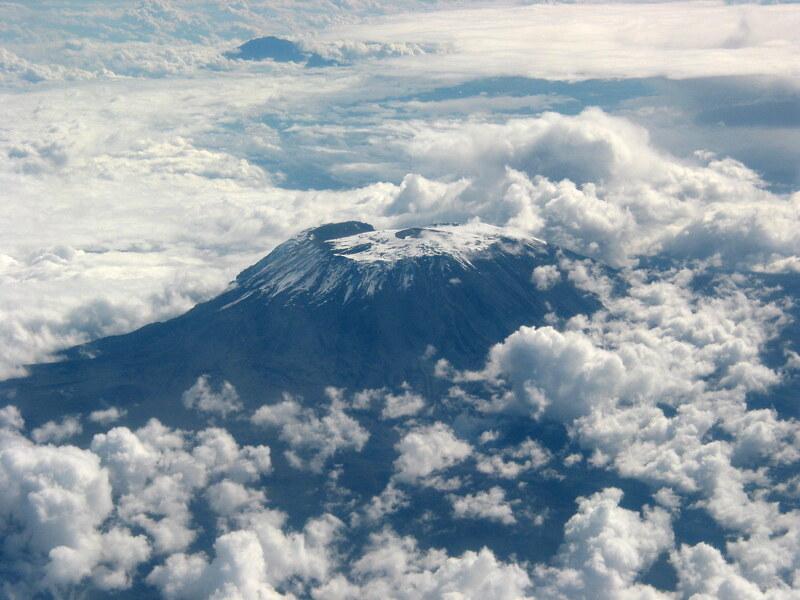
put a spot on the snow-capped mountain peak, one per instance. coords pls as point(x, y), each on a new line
point(352, 259)
point(460, 242)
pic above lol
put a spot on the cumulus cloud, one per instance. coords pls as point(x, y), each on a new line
point(545, 276)
point(405, 404)
point(69, 512)
point(57, 431)
point(510, 462)
point(703, 572)
point(395, 567)
point(428, 450)
point(228, 497)
point(156, 471)
point(55, 507)
point(252, 560)
point(201, 396)
point(659, 342)
point(387, 502)
point(491, 505)
point(563, 374)
point(107, 416)
point(312, 438)
point(606, 547)
point(595, 183)
point(643, 385)
point(396, 405)
point(237, 571)
point(11, 418)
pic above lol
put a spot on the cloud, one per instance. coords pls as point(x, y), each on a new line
point(156, 471)
point(390, 500)
point(313, 439)
point(491, 505)
point(228, 498)
point(703, 572)
point(395, 567)
point(567, 39)
point(11, 418)
point(237, 571)
point(510, 462)
point(203, 398)
point(396, 405)
point(545, 277)
point(55, 506)
point(73, 510)
point(595, 183)
point(252, 560)
point(605, 549)
point(107, 416)
point(427, 450)
point(57, 431)
point(561, 374)
point(644, 384)
point(402, 405)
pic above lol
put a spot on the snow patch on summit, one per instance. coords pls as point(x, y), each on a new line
point(461, 242)
point(349, 260)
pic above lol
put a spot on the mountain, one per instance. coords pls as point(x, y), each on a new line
point(279, 50)
point(326, 351)
point(341, 304)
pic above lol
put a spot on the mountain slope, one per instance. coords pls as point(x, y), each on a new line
point(340, 305)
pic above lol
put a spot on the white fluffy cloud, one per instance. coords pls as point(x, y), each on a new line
point(545, 276)
point(228, 498)
point(54, 508)
point(606, 547)
point(11, 418)
point(57, 431)
point(67, 516)
point(312, 438)
point(563, 374)
point(703, 573)
point(394, 567)
point(596, 184)
point(396, 405)
point(404, 404)
point(202, 397)
point(643, 384)
point(509, 462)
point(491, 505)
point(156, 471)
point(106, 416)
point(426, 451)
point(250, 561)
point(237, 571)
